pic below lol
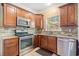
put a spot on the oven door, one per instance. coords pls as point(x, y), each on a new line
point(25, 42)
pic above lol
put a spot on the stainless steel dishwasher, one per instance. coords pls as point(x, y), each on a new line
point(66, 47)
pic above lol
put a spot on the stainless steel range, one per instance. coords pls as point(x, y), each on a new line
point(25, 42)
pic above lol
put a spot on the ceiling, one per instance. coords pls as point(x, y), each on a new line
point(38, 7)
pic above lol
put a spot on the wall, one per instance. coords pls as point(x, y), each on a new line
point(1, 15)
point(52, 11)
point(23, 29)
point(78, 22)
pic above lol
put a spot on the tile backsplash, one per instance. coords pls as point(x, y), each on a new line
point(64, 30)
point(10, 31)
point(23, 29)
point(6, 31)
point(70, 29)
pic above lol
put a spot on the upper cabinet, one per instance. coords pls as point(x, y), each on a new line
point(22, 13)
point(72, 15)
point(63, 16)
point(68, 15)
point(9, 15)
point(25, 14)
point(39, 21)
point(19, 12)
point(32, 16)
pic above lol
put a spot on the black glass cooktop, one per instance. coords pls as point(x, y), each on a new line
point(20, 34)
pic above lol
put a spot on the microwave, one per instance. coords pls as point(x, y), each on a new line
point(23, 22)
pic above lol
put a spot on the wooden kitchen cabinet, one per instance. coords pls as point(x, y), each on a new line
point(72, 14)
point(9, 15)
point(46, 42)
point(35, 44)
point(63, 16)
point(11, 47)
point(68, 15)
point(52, 44)
point(39, 21)
point(43, 42)
point(19, 12)
point(32, 17)
point(25, 14)
point(37, 40)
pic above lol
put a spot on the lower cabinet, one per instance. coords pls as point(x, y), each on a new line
point(11, 47)
point(43, 42)
point(52, 44)
point(46, 42)
point(37, 40)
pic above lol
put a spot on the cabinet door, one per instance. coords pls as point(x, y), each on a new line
point(39, 38)
point(52, 44)
point(25, 14)
point(11, 51)
point(63, 16)
point(42, 21)
point(72, 14)
point(36, 40)
point(31, 17)
point(44, 42)
point(19, 12)
point(38, 21)
point(11, 47)
point(9, 15)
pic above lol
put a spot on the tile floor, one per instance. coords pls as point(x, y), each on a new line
point(34, 53)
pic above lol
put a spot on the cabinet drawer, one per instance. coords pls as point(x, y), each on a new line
point(10, 41)
point(10, 45)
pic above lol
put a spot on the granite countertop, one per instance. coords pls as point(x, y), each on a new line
point(59, 35)
point(56, 35)
point(7, 37)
